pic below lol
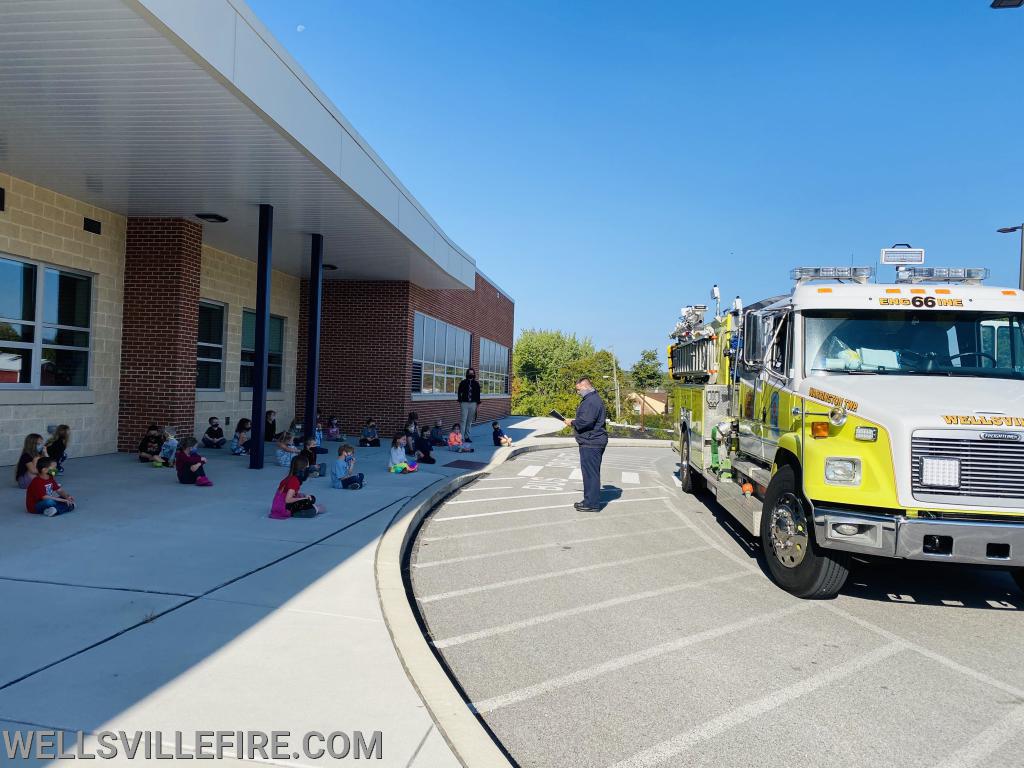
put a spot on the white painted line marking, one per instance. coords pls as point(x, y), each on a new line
point(632, 659)
point(515, 626)
point(590, 518)
point(630, 478)
point(537, 509)
point(488, 488)
point(926, 652)
point(556, 574)
point(533, 495)
point(988, 741)
point(576, 474)
point(548, 545)
point(716, 726)
point(530, 471)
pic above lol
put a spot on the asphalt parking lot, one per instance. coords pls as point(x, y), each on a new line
point(647, 634)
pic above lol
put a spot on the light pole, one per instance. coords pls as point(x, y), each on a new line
point(615, 375)
point(1008, 230)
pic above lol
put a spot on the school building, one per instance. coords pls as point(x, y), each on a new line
point(190, 228)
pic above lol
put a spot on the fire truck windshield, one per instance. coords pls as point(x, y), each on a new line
point(936, 343)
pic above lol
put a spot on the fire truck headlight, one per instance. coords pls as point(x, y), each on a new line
point(842, 470)
point(940, 473)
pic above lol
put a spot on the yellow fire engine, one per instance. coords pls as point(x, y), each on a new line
point(855, 418)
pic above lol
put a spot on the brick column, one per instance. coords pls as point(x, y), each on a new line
point(365, 353)
point(158, 337)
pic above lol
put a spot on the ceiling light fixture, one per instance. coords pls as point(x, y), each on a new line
point(331, 267)
point(213, 218)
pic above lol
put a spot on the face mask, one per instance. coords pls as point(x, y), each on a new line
point(472, 376)
point(41, 447)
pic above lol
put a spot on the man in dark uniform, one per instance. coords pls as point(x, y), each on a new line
point(592, 439)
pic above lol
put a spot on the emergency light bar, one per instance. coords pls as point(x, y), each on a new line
point(804, 274)
point(941, 274)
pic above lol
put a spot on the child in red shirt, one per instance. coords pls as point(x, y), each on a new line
point(295, 503)
point(190, 465)
point(44, 495)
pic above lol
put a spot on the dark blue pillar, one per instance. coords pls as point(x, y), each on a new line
point(259, 367)
point(316, 290)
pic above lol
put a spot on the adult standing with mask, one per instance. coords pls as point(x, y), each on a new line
point(592, 439)
point(469, 400)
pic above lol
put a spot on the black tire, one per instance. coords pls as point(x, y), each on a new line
point(796, 562)
point(1018, 576)
point(689, 480)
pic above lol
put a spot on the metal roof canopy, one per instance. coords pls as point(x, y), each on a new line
point(176, 107)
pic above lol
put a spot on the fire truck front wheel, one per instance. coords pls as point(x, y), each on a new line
point(796, 562)
point(689, 481)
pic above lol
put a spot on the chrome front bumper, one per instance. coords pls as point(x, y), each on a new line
point(951, 541)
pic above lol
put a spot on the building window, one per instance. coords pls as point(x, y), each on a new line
point(493, 368)
point(45, 326)
point(210, 347)
point(275, 355)
point(440, 356)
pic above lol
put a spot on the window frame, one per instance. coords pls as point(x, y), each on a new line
point(493, 382)
point(38, 324)
point(223, 344)
point(457, 340)
point(242, 349)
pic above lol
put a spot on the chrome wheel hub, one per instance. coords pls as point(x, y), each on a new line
point(789, 534)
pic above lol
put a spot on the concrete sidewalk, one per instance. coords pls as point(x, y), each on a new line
point(158, 606)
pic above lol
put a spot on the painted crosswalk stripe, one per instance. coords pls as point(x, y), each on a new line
point(632, 478)
point(530, 471)
point(576, 474)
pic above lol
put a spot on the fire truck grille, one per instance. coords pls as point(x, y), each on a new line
point(988, 468)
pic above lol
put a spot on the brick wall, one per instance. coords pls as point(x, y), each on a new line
point(366, 349)
point(158, 342)
point(45, 227)
point(365, 352)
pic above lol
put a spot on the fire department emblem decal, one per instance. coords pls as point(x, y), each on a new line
point(713, 397)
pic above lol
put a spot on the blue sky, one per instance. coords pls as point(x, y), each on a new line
point(605, 163)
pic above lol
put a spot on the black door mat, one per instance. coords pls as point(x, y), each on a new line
point(464, 464)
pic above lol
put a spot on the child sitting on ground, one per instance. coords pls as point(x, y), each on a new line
point(498, 435)
point(343, 473)
point(150, 445)
point(57, 447)
point(369, 438)
point(190, 464)
point(333, 429)
point(25, 471)
point(437, 435)
point(311, 452)
point(286, 449)
point(412, 427)
point(289, 500)
point(398, 462)
point(169, 448)
point(239, 442)
point(423, 447)
point(44, 495)
point(213, 437)
point(455, 440)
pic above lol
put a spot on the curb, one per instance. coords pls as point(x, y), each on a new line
point(468, 739)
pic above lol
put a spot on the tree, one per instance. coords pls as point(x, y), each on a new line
point(646, 375)
point(545, 367)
